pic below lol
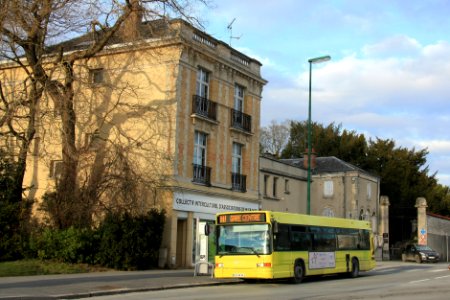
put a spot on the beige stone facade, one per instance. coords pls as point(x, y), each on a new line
point(338, 189)
point(351, 194)
point(183, 105)
point(282, 186)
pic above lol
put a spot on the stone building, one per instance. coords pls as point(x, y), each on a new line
point(340, 189)
point(180, 105)
point(282, 185)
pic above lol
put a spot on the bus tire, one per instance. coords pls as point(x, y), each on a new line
point(299, 272)
point(355, 268)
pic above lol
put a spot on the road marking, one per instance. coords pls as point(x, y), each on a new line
point(439, 270)
point(418, 281)
point(440, 277)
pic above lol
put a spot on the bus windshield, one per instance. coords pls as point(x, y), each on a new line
point(244, 239)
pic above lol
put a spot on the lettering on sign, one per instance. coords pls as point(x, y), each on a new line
point(200, 203)
point(242, 218)
point(322, 260)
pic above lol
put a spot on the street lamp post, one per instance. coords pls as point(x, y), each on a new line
point(311, 61)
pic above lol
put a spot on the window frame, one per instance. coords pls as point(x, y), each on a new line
point(239, 96)
point(55, 170)
point(286, 186)
point(203, 82)
point(328, 188)
point(369, 191)
point(274, 187)
point(96, 76)
point(200, 148)
point(236, 158)
point(266, 185)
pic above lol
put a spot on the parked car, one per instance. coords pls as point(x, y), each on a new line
point(419, 254)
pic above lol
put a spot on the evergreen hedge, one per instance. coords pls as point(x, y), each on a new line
point(122, 241)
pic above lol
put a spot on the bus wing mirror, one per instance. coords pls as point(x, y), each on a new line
point(207, 229)
point(275, 226)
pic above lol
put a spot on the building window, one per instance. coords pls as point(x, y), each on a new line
point(266, 185)
point(328, 212)
point(369, 191)
point(239, 119)
point(236, 161)
point(56, 167)
point(361, 214)
point(200, 148)
point(274, 187)
point(238, 98)
point(202, 83)
point(286, 186)
point(201, 173)
point(96, 76)
point(328, 188)
point(238, 180)
point(92, 139)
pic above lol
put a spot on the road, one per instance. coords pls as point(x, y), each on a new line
point(405, 281)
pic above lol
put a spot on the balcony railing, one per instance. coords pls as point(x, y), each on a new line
point(204, 107)
point(202, 174)
point(241, 120)
point(238, 182)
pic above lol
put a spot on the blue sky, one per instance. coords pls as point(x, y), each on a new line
point(389, 76)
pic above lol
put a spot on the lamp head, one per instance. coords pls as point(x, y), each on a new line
point(319, 59)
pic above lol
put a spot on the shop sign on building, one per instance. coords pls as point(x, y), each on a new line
point(209, 205)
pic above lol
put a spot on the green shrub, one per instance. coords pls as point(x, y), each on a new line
point(128, 242)
point(70, 245)
point(122, 241)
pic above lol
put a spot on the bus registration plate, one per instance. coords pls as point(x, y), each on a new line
point(238, 275)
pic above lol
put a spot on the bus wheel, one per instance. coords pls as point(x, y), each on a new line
point(299, 272)
point(355, 268)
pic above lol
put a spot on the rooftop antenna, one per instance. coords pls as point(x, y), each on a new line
point(230, 28)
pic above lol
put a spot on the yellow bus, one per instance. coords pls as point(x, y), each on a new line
point(272, 245)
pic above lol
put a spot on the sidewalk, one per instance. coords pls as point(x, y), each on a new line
point(75, 286)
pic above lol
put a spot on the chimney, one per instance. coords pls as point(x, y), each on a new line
point(129, 30)
point(313, 159)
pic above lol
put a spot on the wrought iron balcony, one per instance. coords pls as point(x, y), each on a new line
point(201, 174)
point(241, 120)
point(204, 107)
point(238, 182)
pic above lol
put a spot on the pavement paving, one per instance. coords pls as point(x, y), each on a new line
point(85, 285)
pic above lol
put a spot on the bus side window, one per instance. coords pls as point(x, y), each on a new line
point(281, 239)
point(364, 240)
point(300, 239)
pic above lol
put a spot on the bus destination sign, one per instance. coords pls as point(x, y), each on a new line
point(242, 218)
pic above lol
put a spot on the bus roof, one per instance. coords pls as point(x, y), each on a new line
point(301, 219)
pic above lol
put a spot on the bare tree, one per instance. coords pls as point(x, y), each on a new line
point(274, 137)
point(38, 36)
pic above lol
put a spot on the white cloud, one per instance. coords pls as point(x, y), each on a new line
point(404, 99)
point(396, 45)
point(438, 147)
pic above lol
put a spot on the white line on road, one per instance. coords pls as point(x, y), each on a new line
point(438, 270)
point(417, 281)
point(440, 277)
